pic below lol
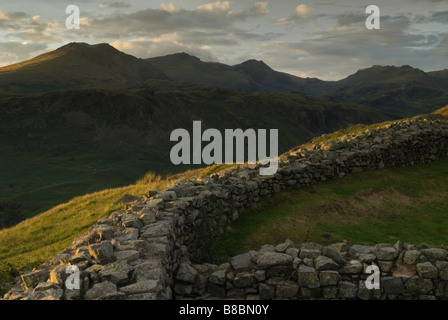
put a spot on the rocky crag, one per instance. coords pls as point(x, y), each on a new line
point(145, 251)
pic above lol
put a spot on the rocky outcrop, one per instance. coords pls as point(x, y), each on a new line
point(144, 251)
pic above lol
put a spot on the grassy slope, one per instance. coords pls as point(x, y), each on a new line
point(37, 239)
point(407, 204)
point(69, 143)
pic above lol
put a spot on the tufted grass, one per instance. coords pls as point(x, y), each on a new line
point(407, 204)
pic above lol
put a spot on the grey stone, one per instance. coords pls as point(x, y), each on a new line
point(307, 277)
point(218, 277)
point(411, 256)
point(324, 263)
point(157, 229)
point(356, 249)
point(117, 272)
point(100, 290)
point(352, 267)
point(330, 292)
point(241, 261)
point(442, 266)
point(266, 291)
point(334, 255)
point(427, 270)
point(236, 293)
point(244, 279)
point(144, 286)
point(419, 285)
point(270, 259)
point(347, 290)
point(43, 286)
point(329, 278)
point(392, 285)
point(311, 246)
point(102, 250)
point(293, 252)
point(32, 278)
point(435, 253)
point(284, 246)
point(58, 275)
point(386, 253)
point(186, 273)
point(368, 294)
point(385, 266)
point(309, 253)
point(286, 289)
point(128, 255)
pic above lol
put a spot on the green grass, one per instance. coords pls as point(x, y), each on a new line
point(407, 204)
point(37, 239)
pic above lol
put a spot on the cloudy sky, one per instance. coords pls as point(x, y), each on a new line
point(327, 39)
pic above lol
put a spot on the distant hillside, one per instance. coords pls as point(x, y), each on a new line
point(249, 76)
point(404, 90)
point(70, 142)
point(77, 65)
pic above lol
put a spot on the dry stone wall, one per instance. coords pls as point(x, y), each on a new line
point(144, 251)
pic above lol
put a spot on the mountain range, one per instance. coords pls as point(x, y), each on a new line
point(86, 117)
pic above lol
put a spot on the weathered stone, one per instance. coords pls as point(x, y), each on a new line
point(43, 286)
point(102, 250)
point(218, 277)
point(158, 229)
point(128, 255)
point(386, 253)
point(244, 279)
point(32, 278)
point(307, 277)
point(266, 291)
point(418, 285)
point(216, 290)
point(293, 252)
point(434, 254)
point(236, 293)
point(352, 267)
point(363, 292)
point(309, 253)
point(427, 270)
point(442, 266)
point(330, 292)
point(322, 263)
point(58, 275)
point(284, 246)
point(151, 286)
point(367, 258)
point(127, 234)
point(347, 290)
point(100, 290)
point(392, 285)
point(385, 266)
point(357, 249)
point(283, 272)
point(329, 278)
point(270, 259)
point(186, 273)
point(331, 253)
point(404, 271)
point(311, 246)
point(286, 289)
point(117, 272)
point(241, 261)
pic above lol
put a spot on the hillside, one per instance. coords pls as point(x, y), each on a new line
point(73, 142)
point(77, 65)
point(404, 90)
point(390, 193)
point(249, 76)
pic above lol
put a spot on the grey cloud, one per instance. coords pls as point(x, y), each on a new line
point(13, 52)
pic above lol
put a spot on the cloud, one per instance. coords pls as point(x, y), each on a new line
point(260, 8)
point(115, 5)
point(15, 51)
point(300, 15)
point(215, 6)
